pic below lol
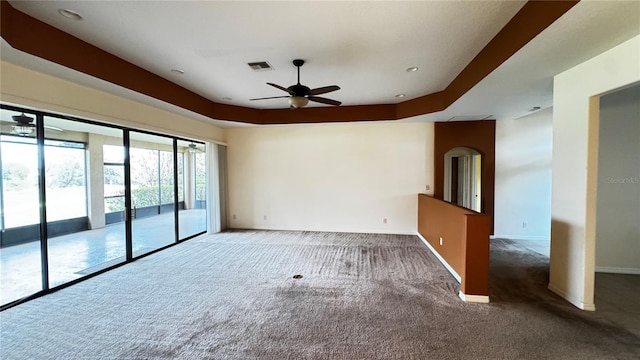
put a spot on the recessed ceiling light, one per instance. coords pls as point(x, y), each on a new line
point(177, 71)
point(70, 14)
point(535, 108)
point(400, 95)
point(226, 98)
point(412, 69)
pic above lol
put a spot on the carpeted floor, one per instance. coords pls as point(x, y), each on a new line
point(361, 296)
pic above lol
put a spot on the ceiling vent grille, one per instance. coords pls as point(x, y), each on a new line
point(260, 66)
point(470, 117)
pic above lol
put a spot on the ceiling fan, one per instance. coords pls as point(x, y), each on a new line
point(23, 125)
point(193, 148)
point(300, 95)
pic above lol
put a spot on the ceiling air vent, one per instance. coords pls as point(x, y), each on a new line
point(260, 66)
point(470, 117)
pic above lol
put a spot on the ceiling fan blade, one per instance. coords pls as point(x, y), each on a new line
point(280, 87)
point(324, 100)
point(271, 97)
point(324, 90)
point(54, 128)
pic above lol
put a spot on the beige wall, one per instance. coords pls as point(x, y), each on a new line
point(342, 177)
point(523, 177)
point(30, 88)
point(574, 178)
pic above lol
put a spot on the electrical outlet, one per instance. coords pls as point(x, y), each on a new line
point(265, 217)
point(428, 187)
point(384, 221)
point(440, 241)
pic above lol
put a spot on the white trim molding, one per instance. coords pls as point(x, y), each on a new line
point(484, 299)
point(577, 303)
point(617, 270)
point(442, 260)
point(540, 238)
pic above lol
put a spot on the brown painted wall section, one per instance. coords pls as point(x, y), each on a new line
point(478, 135)
point(465, 245)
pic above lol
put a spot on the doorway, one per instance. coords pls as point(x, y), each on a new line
point(617, 255)
point(463, 178)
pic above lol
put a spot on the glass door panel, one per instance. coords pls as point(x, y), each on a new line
point(78, 183)
point(152, 179)
point(20, 247)
point(193, 210)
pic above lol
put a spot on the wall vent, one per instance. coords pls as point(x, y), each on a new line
point(260, 66)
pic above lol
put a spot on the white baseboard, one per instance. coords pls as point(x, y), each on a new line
point(577, 303)
point(617, 270)
point(521, 237)
point(484, 299)
point(320, 229)
point(442, 260)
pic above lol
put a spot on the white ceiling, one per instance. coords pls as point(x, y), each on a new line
point(362, 46)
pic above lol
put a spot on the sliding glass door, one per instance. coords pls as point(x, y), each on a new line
point(78, 197)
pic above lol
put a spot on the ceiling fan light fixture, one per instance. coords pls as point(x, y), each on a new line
point(297, 102)
point(23, 130)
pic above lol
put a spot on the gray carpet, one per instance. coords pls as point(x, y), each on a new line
point(362, 296)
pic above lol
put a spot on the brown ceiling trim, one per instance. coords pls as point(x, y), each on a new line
point(328, 114)
point(423, 105)
point(47, 42)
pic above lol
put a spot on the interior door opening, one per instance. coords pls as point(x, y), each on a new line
point(463, 178)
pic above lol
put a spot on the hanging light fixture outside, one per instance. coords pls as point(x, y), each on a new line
point(23, 130)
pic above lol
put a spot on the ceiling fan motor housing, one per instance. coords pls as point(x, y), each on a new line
point(299, 90)
point(22, 119)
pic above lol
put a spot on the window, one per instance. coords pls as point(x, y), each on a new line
point(113, 157)
point(66, 180)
